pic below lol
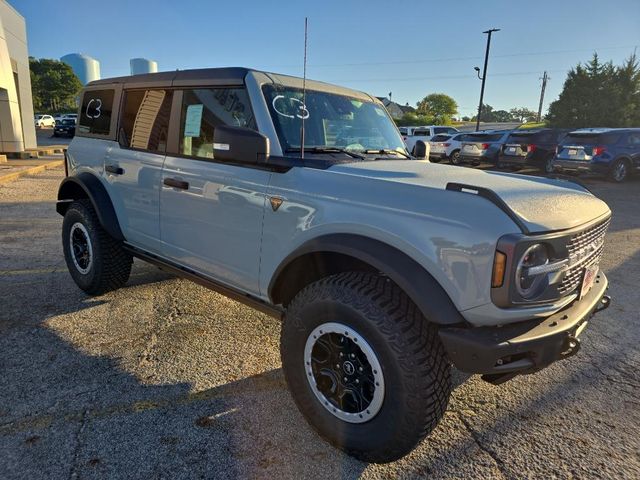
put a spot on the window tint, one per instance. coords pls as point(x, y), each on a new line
point(403, 131)
point(144, 119)
point(610, 138)
point(487, 137)
point(440, 138)
point(95, 115)
point(421, 133)
point(437, 130)
point(634, 139)
point(205, 109)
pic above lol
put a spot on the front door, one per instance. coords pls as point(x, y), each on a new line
point(211, 212)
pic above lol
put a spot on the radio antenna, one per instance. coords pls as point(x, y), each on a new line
point(304, 91)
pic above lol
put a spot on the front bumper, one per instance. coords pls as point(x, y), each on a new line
point(524, 347)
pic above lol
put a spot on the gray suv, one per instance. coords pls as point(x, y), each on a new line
point(302, 201)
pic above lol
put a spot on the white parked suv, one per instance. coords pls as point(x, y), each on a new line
point(424, 133)
point(385, 270)
point(44, 121)
point(445, 146)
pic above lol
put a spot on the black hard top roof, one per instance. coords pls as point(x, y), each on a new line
point(232, 74)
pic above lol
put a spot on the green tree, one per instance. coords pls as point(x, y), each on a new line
point(438, 106)
point(599, 94)
point(414, 119)
point(54, 86)
point(523, 114)
point(502, 116)
point(486, 115)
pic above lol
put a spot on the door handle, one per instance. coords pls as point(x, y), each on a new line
point(116, 170)
point(175, 183)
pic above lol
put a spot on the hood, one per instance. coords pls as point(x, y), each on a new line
point(541, 204)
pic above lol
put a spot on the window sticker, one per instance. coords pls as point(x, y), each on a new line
point(193, 121)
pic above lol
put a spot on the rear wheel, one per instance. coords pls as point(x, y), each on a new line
point(619, 171)
point(548, 165)
point(365, 368)
point(97, 262)
point(454, 158)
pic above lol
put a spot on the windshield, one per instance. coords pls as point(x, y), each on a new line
point(330, 121)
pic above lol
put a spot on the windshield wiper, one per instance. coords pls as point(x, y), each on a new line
point(327, 150)
point(386, 151)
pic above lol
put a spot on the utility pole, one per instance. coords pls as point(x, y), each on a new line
point(484, 74)
point(545, 78)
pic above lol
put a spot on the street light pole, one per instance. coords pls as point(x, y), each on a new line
point(484, 74)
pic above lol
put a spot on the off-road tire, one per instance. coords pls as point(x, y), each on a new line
point(417, 381)
point(111, 264)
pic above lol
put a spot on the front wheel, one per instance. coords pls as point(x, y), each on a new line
point(365, 368)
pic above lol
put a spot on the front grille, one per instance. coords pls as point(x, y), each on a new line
point(585, 248)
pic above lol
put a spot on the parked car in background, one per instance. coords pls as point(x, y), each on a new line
point(607, 151)
point(530, 147)
point(478, 147)
point(424, 133)
point(58, 117)
point(44, 121)
point(65, 127)
point(445, 146)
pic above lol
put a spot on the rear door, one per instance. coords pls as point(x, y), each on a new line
point(211, 211)
point(134, 169)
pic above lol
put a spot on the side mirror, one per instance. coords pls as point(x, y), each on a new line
point(420, 150)
point(240, 145)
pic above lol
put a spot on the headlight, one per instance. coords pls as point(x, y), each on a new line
point(531, 281)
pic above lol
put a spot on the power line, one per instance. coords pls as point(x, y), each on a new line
point(450, 59)
point(441, 77)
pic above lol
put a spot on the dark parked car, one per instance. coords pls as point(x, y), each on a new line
point(531, 147)
point(608, 151)
point(480, 147)
point(65, 126)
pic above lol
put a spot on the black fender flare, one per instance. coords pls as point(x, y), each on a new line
point(87, 185)
point(416, 282)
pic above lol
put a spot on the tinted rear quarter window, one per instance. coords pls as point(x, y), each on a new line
point(95, 114)
point(144, 119)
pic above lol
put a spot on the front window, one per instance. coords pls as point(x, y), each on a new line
point(330, 121)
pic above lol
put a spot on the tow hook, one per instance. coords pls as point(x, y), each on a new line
point(571, 347)
point(605, 301)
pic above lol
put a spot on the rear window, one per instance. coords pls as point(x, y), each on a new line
point(440, 138)
point(421, 133)
point(95, 115)
point(443, 130)
point(487, 137)
point(591, 139)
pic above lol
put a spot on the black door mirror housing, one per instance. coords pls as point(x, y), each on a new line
point(240, 145)
point(420, 150)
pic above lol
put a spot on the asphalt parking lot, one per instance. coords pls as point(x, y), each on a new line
point(165, 379)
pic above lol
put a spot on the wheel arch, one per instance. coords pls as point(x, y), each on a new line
point(336, 253)
point(87, 185)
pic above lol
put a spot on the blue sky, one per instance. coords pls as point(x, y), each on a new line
point(408, 48)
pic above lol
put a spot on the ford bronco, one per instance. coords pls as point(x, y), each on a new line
point(301, 200)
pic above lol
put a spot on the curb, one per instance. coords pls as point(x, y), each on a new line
point(30, 171)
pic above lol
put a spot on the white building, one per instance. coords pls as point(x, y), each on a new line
point(17, 127)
